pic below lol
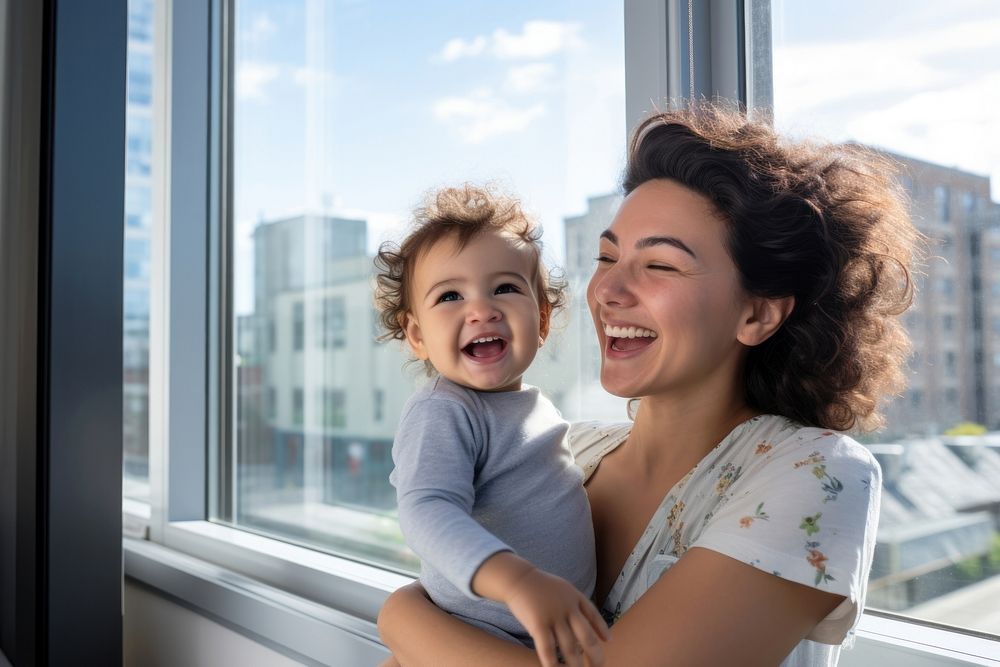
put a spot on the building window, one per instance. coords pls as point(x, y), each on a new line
point(378, 405)
point(298, 406)
point(333, 322)
point(334, 408)
point(951, 396)
point(298, 326)
point(942, 203)
point(969, 203)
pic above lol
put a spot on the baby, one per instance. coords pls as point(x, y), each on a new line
point(489, 497)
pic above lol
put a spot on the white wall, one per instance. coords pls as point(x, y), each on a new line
point(161, 633)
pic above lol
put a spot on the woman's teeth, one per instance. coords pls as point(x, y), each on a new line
point(628, 332)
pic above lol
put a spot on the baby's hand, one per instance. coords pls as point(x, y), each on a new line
point(555, 614)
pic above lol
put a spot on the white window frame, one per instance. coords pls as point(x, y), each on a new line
point(311, 605)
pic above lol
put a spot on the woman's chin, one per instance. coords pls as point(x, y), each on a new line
point(620, 387)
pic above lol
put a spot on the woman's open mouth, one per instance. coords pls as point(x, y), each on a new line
point(628, 339)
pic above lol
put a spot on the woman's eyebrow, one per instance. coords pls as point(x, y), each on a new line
point(651, 241)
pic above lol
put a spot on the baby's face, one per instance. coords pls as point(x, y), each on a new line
point(475, 312)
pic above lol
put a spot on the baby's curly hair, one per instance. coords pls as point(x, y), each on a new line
point(827, 224)
point(462, 212)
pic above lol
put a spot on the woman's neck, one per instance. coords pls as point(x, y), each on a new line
point(673, 434)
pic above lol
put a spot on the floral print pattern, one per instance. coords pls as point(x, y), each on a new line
point(759, 513)
point(767, 495)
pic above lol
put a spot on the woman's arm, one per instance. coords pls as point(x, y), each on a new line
point(419, 633)
point(710, 609)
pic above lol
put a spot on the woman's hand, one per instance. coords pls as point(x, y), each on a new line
point(420, 634)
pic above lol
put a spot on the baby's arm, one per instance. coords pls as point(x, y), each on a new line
point(436, 454)
point(551, 609)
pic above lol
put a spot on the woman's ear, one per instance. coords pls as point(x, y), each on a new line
point(765, 316)
point(414, 336)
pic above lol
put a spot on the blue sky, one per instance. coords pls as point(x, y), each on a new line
point(357, 107)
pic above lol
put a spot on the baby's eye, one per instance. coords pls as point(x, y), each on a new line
point(507, 288)
point(449, 296)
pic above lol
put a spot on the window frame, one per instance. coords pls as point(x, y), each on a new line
point(303, 602)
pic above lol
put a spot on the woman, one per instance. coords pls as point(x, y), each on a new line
point(748, 291)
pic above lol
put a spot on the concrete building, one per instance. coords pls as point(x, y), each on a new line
point(318, 395)
point(955, 319)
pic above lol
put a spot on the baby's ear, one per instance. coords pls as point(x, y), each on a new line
point(414, 336)
point(544, 321)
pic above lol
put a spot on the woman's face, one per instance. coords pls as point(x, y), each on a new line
point(666, 297)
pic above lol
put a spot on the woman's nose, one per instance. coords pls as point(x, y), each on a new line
point(611, 287)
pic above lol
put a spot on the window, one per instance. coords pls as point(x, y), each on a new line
point(313, 195)
point(297, 447)
point(137, 222)
point(942, 203)
point(298, 406)
point(332, 324)
point(378, 405)
point(298, 326)
point(334, 408)
point(858, 71)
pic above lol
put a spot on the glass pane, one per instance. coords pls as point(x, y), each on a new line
point(345, 114)
point(138, 217)
point(919, 81)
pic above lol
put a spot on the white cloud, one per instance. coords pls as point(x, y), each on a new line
point(253, 77)
point(537, 39)
point(532, 78)
point(312, 76)
point(954, 126)
point(928, 94)
point(261, 27)
point(458, 48)
point(822, 74)
point(482, 115)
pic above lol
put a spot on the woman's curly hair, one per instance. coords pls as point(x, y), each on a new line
point(462, 213)
point(827, 224)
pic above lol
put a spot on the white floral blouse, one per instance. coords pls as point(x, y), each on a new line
point(800, 503)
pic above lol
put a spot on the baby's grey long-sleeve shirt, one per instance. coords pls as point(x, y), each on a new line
point(477, 473)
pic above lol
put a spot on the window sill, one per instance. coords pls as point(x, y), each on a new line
point(323, 608)
point(301, 628)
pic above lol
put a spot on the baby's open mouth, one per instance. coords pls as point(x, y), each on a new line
point(485, 348)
